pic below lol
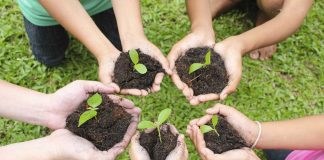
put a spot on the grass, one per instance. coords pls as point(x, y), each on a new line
point(288, 86)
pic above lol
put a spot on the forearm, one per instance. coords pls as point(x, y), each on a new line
point(277, 29)
point(22, 104)
point(38, 149)
point(129, 21)
point(200, 16)
point(73, 17)
point(302, 133)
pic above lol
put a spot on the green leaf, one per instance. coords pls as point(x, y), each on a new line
point(204, 129)
point(146, 124)
point(194, 67)
point(207, 58)
point(95, 100)
point(164, 115)
point(85, 116)
point(214, 120)
point(133, 56)
point(140, 68)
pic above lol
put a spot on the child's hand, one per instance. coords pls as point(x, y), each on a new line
point(150, 49)
point(192, 40)
point(137, 152)
point(231, 51)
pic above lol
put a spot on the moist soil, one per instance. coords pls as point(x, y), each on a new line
point(156, 149)
point(211, 79)
point(229, 138)
point(127, 77)
point(106, 129)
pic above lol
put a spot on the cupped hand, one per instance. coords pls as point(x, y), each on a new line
point(192, 40)
point(150, 49)
point(206, 154)
point(106, 69)
point(231, 52)
point(66, 145)
point(137, 152)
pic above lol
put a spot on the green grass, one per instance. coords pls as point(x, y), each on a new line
point(288, 86)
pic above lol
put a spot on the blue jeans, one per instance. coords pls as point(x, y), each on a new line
point(272, 154)
point(49, 43)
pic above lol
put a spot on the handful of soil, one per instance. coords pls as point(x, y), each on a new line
point(210, 79)
point(156, 149)
point(126, 77)
point(228, 138)
point(106, 129)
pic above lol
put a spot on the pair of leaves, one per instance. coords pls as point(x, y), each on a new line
point(94, 101)
point(195, 66)
point(163, 116)
point(205, 128)
point(140, 68)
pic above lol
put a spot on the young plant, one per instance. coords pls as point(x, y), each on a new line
point(93, 102)
point(205, 128)
point(195, 66)
point(163, 116)
point(139, 67)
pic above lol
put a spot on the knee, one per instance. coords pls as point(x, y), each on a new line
point(50, 56)
point(271, 8)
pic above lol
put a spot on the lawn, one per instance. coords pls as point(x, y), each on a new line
point(288, 86)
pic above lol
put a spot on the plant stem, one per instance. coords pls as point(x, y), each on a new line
point(158, 128)
point(216, 132)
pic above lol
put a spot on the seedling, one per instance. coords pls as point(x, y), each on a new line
point(139, 67)
point(163, 116)
point(93, 103)
point(195, 66)
point(205, 128)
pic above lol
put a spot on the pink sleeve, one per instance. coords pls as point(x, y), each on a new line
point(306, 155)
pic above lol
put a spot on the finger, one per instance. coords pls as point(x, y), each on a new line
point(177, 81)
point(188, 131)
point(232, 85)
point(193, 122)
point(179, 151)
point(134, 92)
point(113, 152)
point(144, 92)
point(158, 78)
point(208, 97)
point(173, 130)
point(122, 101)
point(254, 54)
point(203, 120)
point(199, 139)
point(187, 92)
point(94, 86)
point(220, 109)
point(209, 154)
point(165, 63)
point(156, 88)
point(173, 56)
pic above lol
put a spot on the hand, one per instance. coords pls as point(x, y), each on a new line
point(150, 49)
point(192, 40)
point(137, 152)
point(106, 69)
point(231, 51)
point(66, 145)
point(67, 99)
point(206, 154)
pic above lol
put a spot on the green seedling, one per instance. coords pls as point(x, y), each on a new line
point(139, 67)
point(205, 128)
point(93, 103)
point(195, 66)
point(163, 116)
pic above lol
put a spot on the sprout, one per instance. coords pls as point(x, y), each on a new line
point(195, 66)
point(139, 67)
point(93, 102)
point(205, 128)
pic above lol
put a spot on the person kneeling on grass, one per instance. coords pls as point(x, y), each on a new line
point(302, 139)
point(276, 20)
point(105, 27)
point(51, 110)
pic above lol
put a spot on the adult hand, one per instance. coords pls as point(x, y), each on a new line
point(231, 51)
point(192, 40)
point(137, 152)
point(150, 49)
point(67, 99)
point(66, 145)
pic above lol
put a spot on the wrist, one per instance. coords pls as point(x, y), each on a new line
point(132, 41)
point(204, 32)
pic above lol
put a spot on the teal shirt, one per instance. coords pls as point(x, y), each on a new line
point(37, 14)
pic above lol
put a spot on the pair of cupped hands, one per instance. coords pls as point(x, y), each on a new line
point(62, 144)
point(229, 49)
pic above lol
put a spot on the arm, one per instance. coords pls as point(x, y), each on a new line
point(302, 133)
point(72, 16)
point(283, 25)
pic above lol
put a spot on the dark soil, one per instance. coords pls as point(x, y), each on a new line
point(156, 150)
point(211, 79)
point(127, 78)
point(229, 138)
point(106, 129)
